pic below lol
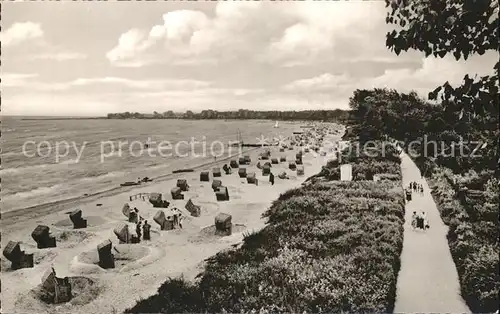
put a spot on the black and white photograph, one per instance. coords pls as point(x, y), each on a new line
point(249, 156)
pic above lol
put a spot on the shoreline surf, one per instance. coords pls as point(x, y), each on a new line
point(54, 206)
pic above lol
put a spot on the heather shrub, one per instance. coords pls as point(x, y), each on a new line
point(328, 247)
point(473, 239)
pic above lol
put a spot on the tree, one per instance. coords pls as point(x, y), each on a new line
point(457, 27)
point(461, 28)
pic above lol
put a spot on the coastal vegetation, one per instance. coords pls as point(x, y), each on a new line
point(329, 246)
point(460, 160)
point(464, 170)
point(242, 114)
point(329, 243)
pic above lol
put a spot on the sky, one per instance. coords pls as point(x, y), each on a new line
point(93, 58)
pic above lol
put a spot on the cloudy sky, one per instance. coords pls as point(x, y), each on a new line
point(81, 58)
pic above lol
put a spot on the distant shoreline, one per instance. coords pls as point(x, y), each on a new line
point(64, 118)
point(147, 118)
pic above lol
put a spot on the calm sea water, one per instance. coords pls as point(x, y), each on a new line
point(29, 181)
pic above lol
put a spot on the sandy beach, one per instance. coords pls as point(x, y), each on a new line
point(140, 268)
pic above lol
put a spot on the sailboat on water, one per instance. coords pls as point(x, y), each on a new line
point(276, 125)
point(238, 142)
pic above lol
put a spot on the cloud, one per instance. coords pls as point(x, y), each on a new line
point(34, 45)
point(101, 83)
point(285, 34)
point(236, 31)
point(41, 104)
point(142, 84)
point(432, 73)
point(321, 83)
point(16, 79)
point(20, 32)
point(60, 56)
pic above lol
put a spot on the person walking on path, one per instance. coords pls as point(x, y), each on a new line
point(425, 222)
point(414, 220)
point(427, 281)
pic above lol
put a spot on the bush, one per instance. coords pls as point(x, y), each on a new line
point(473, 242)
point(328, 247)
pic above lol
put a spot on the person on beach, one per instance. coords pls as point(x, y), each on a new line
point(138, 230)
point(146, 228)
point(181, 218)
point(271, 178)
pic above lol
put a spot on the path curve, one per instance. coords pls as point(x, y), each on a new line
point(428, 279)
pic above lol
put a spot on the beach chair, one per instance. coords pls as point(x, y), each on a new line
point(216, 184)
point(234, 164)
point(56, 290)
point(106, 258)
point(193, 209)
point(122, 233)
point(282, 175)
point(182, 184)
point(204, 176)
point(274, 161)
point(242, 161)
point(222, 194)
point(126, 210)
point(283, 159)
point(266, 169)
point(223, 224)
point(18, 258)
point(251, 178)
point(161, 219)
point(77, 220)
point(43, 238)
point(242, 172)
point(177, 193)
point(216, 172)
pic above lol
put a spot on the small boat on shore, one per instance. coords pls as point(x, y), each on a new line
point(130, 183)
point(138, 182)
point(183, 170)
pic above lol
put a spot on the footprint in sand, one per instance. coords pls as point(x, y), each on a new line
point(84, 290)
point(92, 221)
point(127, 257)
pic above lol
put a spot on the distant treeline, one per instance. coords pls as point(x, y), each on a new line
point(327, 115)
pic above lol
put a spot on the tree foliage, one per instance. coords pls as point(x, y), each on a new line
point(458, 27)
point(409, 118)
point(316, 115)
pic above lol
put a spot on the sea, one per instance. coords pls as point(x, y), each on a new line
point(47, 160)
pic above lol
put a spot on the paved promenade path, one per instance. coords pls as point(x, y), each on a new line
point(428, 279)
